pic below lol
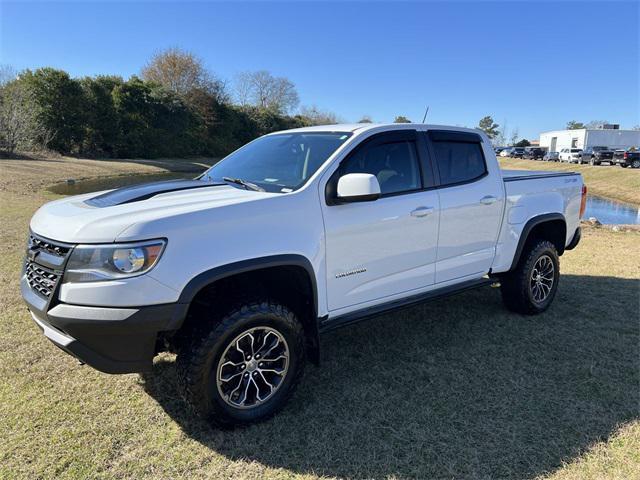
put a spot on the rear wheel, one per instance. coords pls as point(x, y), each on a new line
point(635, 164)
point(531, 287)
point(246, 367)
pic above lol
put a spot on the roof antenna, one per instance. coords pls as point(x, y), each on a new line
point(425, 114)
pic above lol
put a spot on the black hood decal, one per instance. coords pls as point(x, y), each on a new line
point(137, 193)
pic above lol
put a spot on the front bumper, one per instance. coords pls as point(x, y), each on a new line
point(112, 340)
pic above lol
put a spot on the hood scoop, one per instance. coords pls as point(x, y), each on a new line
point(137, 193)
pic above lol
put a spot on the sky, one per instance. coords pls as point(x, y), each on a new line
point(533, 65)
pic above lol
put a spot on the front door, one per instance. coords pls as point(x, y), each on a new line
point(377, 249)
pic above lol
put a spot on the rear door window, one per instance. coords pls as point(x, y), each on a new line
point(459, 162)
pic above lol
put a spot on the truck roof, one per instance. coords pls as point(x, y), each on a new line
point(363, 127)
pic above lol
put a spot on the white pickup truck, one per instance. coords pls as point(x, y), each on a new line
point(239, 270)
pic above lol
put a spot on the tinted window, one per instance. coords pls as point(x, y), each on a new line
point(395, 165)
point(459, 162)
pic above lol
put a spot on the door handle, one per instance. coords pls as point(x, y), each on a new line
point(488, 200)
point(422, 211)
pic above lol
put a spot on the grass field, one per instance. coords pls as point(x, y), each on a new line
point(458, 388)
point(614, 182)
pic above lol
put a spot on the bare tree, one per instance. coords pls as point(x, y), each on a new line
point(514, 136)
point(266, 91)
point(500, 139)
point(7, 74)
point(19, 125)
point(182, 73)
point(242, 87)
point(319, 117)
point(596, 123)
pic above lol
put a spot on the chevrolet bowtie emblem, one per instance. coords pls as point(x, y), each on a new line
point(32, 254)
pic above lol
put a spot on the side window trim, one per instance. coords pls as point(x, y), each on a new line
point(454, 137)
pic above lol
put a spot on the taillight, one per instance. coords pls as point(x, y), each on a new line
point(625, 156)
point(583, 201)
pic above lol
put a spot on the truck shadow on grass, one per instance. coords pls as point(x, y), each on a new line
point(455, 388)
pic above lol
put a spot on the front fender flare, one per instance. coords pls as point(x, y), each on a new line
point(207, 277)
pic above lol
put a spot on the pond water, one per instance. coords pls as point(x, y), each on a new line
point(610, 212)
point(107, 183)
point(605, 210)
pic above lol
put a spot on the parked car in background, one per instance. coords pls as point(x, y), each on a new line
point(506, 152)
point(498, 150)
point(627, 158)
point(597, 155)
point(551, 157)
point(517, 152)
point(571, 155)
point(533, 153)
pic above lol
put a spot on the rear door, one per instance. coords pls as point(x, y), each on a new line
point(471, 205)
point(378, 249)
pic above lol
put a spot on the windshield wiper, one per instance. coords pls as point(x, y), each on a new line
point(246, 185)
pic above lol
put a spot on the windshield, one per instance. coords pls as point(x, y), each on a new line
point(278, 163)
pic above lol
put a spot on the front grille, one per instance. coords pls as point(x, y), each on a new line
point(37, 243)
point(44, 265)
point(41, 279)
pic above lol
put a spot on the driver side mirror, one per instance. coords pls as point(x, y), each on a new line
point(358, 187)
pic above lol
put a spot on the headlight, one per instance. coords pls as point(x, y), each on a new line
point(94, 263)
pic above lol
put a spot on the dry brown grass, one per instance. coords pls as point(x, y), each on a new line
point(458, 388)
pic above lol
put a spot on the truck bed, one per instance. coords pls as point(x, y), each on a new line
point(534, 193)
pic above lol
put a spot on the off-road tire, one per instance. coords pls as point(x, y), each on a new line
point(635, 164)
point(197, 363)
point(515, 286)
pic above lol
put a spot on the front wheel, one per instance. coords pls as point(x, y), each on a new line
point(530, 288)
point(246, 367)
point(635, 164)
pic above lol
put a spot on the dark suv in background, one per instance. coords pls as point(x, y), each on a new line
point(597, 155)
point(517, 152)
point(533, 153)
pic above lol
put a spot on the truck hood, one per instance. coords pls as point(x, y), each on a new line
point(102, 216)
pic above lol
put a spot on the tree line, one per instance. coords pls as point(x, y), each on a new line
point(176, 107)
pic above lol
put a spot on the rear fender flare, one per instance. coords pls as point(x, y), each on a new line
point(526, 231)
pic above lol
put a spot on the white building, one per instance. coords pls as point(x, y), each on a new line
point(606, 136)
